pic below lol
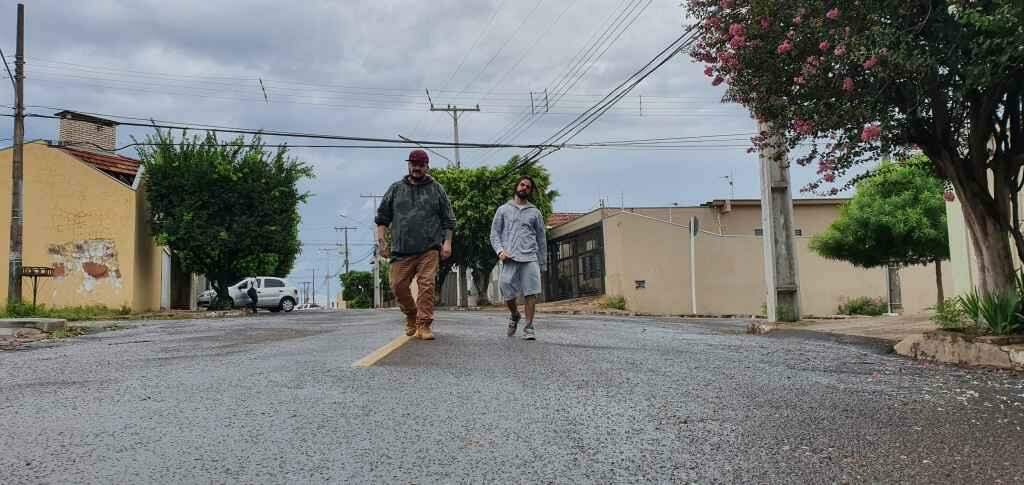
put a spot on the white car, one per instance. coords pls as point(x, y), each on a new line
point(273, 293)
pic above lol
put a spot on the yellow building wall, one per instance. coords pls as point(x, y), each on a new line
point(148, 259)
point(81, 222)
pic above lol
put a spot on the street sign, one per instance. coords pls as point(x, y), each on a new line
point(36, 272)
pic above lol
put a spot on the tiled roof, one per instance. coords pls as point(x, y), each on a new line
point(558, 218)
point(117, 166)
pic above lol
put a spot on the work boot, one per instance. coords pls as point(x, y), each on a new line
point(424, 333)
point(410, 325)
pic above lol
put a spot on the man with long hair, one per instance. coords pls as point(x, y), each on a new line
point(517, 236)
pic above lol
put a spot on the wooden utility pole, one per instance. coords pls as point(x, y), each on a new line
point(17, 167)
point(782, 276)
point(346, 230)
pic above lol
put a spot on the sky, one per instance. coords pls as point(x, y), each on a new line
point(362, 68)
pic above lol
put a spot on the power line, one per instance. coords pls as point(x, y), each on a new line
point(502, 48)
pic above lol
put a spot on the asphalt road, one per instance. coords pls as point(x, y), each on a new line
point(275, 399)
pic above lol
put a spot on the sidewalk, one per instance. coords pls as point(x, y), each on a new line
point(888, 328)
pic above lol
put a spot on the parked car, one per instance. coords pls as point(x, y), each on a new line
point(273, 293)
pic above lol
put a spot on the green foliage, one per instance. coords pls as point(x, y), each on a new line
point(614, 302)
point(357, 288)
point(994, 313)
point(92, 312)
point(475, 196)
point(864, 306)
point(226, 209)
point(950, 315)
point(898, 216)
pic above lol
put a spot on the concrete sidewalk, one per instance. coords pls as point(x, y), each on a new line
point(888, 328)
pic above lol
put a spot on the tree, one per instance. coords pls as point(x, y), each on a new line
point(358, 289)
point(475, 194)
point(898, 216)
point(856, 78)
point(227, 210)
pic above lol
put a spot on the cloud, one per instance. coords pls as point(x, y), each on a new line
point(361, 68)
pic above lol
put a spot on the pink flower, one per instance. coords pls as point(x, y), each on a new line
point(848, 85)
point(840, 50)
point(799, 80)
point(737, 30)
point(765, 23)
point(871, 132)
point(709, 71)
point(870, 63)
point(785, 47)
point(799, 19)
point(803, 127)
point(737, 42)
point(833, 14)
point(829, 177)
point(718, 80)
point(824, 45)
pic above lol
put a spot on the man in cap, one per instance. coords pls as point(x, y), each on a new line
point(419, 214)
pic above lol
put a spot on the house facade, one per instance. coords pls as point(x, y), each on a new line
point(644, 255)
point(85, 216)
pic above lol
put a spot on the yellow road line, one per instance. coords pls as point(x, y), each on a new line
point(382, 352)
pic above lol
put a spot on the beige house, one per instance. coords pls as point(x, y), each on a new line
point(961, 252)
point(86, 217)
point(643, 254)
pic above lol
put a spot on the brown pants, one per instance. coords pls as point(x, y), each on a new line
point(423, 267)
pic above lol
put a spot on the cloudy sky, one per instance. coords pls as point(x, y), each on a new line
point(361, 68)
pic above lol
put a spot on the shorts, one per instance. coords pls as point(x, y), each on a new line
point(519, 279)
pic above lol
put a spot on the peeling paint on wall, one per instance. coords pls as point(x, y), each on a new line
point(94, 259)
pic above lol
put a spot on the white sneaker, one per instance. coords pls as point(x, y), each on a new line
point(528, 333)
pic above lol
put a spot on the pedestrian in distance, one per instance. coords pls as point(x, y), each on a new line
point(517, 236)
point(419, 215)
point(253, 295)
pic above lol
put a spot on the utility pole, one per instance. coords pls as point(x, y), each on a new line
point(377, 303)
point(314, 286)
point(782, 276)
point(17, 166)
point(346, 230)
point(327, 279)
point(455, 112)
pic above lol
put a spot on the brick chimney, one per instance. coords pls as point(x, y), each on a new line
point(86, 132)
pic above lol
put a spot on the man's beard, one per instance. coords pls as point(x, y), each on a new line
point(523, 195)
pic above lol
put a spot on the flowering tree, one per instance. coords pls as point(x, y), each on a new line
point(852, 78)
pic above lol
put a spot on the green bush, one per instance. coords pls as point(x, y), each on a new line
point(996, 314)
point(614, 302)
point(950, 315)
point(864, 306)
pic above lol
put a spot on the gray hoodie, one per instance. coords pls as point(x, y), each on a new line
point(519, 231)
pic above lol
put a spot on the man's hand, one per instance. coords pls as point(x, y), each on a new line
point(383, 250)
point(446, 250)
point(502, 256)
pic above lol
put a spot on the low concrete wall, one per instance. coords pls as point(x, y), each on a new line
point(957, 348)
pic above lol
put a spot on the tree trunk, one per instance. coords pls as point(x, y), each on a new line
point(993, 268)
point(941, 297)
point(482, 281)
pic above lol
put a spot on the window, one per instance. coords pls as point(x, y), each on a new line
point(273, 283)
point(641, 284)
point(759, 232)
point(799, 232)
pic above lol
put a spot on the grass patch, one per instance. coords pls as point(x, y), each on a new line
point(864, 305)
point(71, 314)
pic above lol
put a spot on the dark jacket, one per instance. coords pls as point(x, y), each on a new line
point(418, 214)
